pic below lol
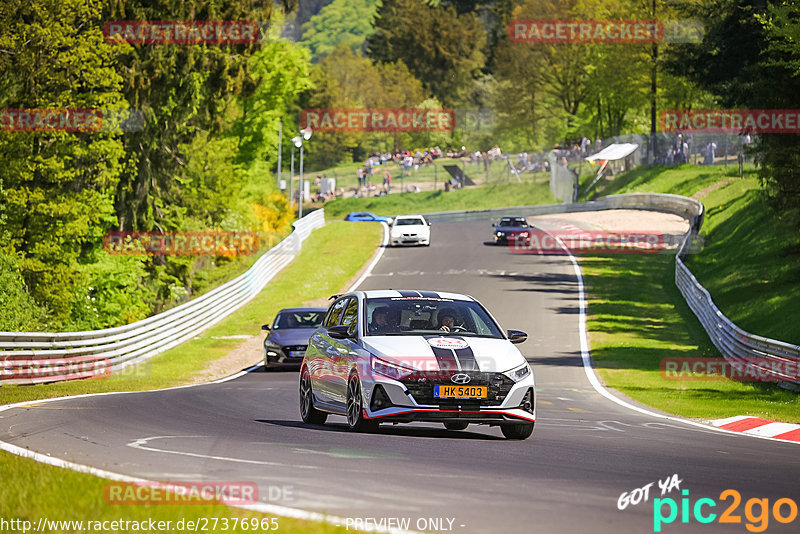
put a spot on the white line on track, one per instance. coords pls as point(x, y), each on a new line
point(143, 444)
point(368, 272)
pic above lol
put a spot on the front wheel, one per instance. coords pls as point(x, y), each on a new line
point(310, 415)
point(517, 430)
point(355, 407)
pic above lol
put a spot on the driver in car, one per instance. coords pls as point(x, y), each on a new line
point(447, 320)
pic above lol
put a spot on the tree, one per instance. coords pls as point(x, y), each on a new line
point(58, 186)
point(179, 89)
point(344, 79)
point(342, 22)
point(441, 48)
point(748, 59)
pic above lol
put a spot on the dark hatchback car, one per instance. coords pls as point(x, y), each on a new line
point(509, 229)
point(287, 340)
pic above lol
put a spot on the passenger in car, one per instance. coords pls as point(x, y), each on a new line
point(380, 321)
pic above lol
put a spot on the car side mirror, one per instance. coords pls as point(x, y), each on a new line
point(390, 222)
point(265, 327)
point(517, 336)
point(493, 225)
point(341, 331)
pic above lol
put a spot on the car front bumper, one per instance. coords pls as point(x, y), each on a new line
point(283, 357)
point(410, 240)
point(400, 406)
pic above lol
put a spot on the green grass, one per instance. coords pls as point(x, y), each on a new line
point(328, 259)
point(637, 316)
point(32, 490)
point(491, 196)
point(750, 263)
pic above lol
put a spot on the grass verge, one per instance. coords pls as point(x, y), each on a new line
point(490, 196)
point(34, 491)
point(637, 316)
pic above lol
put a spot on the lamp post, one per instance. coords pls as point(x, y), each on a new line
point(305, 135)
point(291, 180)
point(280, 139)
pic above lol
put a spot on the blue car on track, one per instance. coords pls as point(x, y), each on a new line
point(365, 216)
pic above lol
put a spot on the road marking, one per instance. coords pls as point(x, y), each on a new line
point(578, 410)
point(141, 445)
point(40, 406)
point(368, 272)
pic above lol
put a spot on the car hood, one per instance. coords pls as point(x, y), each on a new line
point(433, 352)
point(290, 336)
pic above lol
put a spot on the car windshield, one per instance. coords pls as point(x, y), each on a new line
point(403, 316)
point(507, 221)
point(408, 222)
point(298, 319)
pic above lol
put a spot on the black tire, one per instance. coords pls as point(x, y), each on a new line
point(310, 415)
point(355, 407)
point(456, 425)
point(517, 430)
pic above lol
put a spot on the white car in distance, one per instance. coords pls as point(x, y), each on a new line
point(410, 230)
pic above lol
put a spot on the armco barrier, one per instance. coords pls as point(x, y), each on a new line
point(27, 358)
point(735, 344)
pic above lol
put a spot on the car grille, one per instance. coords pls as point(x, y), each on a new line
point(420, 386)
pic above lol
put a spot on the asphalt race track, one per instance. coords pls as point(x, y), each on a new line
point(585, 451)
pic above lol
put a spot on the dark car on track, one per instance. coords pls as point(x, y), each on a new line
point(509, 229)
point(287, 340)
point(365, 216)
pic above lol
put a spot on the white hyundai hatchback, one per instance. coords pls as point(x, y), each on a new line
point(391, 356)
point(410, 230)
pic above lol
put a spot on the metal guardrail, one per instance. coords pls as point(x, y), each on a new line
point(737, 346)
point(33, 357)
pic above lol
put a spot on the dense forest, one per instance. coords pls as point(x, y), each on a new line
point(196, 144)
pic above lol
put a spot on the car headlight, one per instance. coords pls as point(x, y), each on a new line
point(272, 348)
point(519, 373)
point(500, 234)
point(390, 370)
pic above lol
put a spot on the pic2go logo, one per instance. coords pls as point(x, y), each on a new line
point(756, 511)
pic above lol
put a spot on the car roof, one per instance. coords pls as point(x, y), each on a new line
point(409, 217)
point(412, 293)
point(306, 309)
